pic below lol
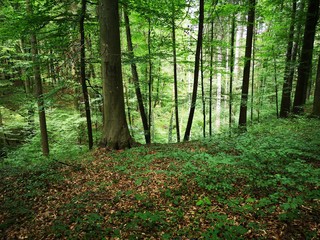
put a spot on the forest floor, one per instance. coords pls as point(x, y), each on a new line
point(263, 184)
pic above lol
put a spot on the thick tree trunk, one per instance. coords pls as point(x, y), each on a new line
point(246, 71)
point(287, 83)
point(83, 74)
point(115, 128)
point(316, 100)
point(135, 78)
point(196, 73)
point(304, 68)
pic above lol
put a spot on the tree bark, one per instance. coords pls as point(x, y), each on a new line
point(135, 79)
point(252, 78)
point(210, 78)
point(38, 86)
point(287, 83)
point(233, 32)
point(203, 97)
point(304, 68)
point(246, 71)
point(196, 73)
point(316, 100)
point(175, 72)
point(83, 74)
point(115, 128)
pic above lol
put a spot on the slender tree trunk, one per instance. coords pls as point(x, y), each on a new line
point(304, 68)
point(150, 80)
point(170, 127)
point(203, 96)
point(246, 71)
point(210, 78)
point(233, 32)
point(39, 91)
point(287, 83)
point(83, 74)
point(218, 93)
point(196, 73)
point(261, 93)
point(135, 79)
point(175, 72)
point(316, 100)
point(39, 95)
point(276, 84)
point(115, 128)
point(126, 94)
point(252, 77)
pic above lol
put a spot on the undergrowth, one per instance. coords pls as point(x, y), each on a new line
point(261, 184)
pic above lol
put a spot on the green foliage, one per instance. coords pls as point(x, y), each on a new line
point(64, 131)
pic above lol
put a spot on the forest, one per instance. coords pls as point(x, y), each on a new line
point(158, 119)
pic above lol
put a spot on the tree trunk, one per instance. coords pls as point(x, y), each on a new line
point(304, 68)
point(210, 79)
point(135, 79)
point(246, 71)
point(287, 84)
point(203, 97)
point(316, 100)
point(39, 91)
point(175, 72)
point(252, 78)
point(196, 73)
point(115, 128)
point(233, 32)
point(276, 83)
point(150, 80)
point(218, 93)
point(83, 74)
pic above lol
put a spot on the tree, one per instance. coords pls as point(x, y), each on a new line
point(175, 74)
point(38, 85)
point(316, 100)
point(232, 61)
point(115, 128)
point(246, 71)
point(196, 72)
point(287, 84)
point(83, 73)
point(304, 69)
point(135, 79)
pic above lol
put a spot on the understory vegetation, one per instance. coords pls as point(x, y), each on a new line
point(261, 184)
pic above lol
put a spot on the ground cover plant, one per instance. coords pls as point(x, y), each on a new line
point(262, 184)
